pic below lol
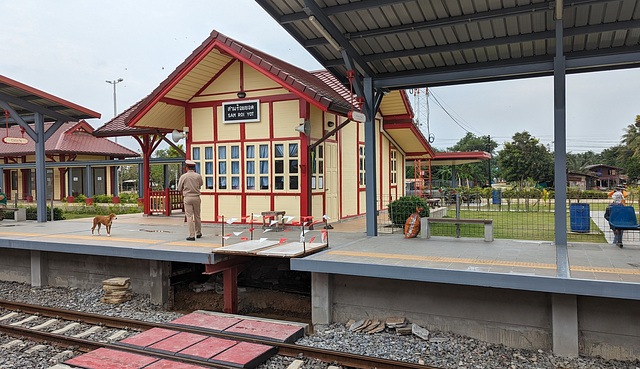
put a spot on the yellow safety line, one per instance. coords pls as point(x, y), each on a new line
point(444, 259)
point(104, 238)
point(21, 234)
point(194, 244)
point(577, 268)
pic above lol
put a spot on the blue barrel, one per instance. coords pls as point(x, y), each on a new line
point(496, 195)
point(579, 217)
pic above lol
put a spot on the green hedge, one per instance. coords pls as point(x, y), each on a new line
point(401, 209)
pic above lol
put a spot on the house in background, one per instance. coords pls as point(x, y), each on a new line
point(268, 136)
point(584, 181)
point(606, 176)
point(72, 142)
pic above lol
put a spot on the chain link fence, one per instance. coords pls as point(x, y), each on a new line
point(525, 214)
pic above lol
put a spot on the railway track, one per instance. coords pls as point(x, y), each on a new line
point(90, 331)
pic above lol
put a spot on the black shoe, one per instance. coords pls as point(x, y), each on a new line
point(198, 236)
point(620, 244)
point(191, 238)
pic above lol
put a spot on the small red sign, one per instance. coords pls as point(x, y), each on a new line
point(15, 140)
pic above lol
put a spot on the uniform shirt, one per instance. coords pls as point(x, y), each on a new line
point(190, 183)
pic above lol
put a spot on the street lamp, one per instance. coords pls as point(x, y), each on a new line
point(115, 112)
point(114, 83)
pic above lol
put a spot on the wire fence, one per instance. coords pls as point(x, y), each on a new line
point(523, 215)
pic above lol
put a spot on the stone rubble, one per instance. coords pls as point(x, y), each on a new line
point(442, 349)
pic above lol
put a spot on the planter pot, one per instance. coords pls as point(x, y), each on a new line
point(29, 198)
point(69, 199)
point(89, 201)
point(140, 202)
point(116, 200)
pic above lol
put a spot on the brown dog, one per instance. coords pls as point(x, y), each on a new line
point(103, 219)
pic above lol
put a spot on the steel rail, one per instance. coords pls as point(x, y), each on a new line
point(285, 349)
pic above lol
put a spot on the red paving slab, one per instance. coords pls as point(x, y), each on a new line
point(269, 330)
point(178, 342)
point(110, 359)
point(245, 354)
point(208, 348)
point(218, 323)
point(168, 364)
point(149, 337)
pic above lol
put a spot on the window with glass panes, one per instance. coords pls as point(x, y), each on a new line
point(361, 165)
point(393, 167)
point(285, 166)
point(256, 166)
point(317, 160)
point(228, 167)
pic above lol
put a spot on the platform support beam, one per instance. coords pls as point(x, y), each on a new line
point(321, 298)
point(564, 322)
point(160, 272)
point(230, 278)
point(39, 269)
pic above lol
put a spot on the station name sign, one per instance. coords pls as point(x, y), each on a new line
point(241, 111)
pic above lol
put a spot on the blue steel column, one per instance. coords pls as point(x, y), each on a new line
point(140, 181)
point(165, 173)
point(116, 181)
point(41, 177)
point(370, 158)
point(560, 147)
point(70, 181)
point(89, 177)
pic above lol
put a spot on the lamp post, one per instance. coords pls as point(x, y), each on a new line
point(114, 83)
point(115, 112)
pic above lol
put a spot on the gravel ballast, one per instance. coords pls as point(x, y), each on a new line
point(445, 350)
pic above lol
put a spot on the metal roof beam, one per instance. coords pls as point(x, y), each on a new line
point(452, 21)
point(532, 67)
point(314, 10)
point(338, 9)
point(529, 37)
point(35, 108)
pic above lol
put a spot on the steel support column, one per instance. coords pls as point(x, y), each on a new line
point(41, 180)
point(370, 158)
point(560, 134)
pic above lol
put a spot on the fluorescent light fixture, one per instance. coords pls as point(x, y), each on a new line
point(324, 33)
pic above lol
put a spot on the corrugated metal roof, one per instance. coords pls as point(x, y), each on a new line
point(411, 43)
point(70, 138)
point(26, 101)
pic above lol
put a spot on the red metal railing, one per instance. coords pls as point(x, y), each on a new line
point(163, 202)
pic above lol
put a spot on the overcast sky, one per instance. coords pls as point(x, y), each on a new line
point(69, 48)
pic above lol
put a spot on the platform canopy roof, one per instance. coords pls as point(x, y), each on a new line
point(26, 100)
point(404, 44)
point(460, 157)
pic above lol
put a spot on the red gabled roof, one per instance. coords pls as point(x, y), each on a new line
point(71, 138)
point(312, 87)
point(461, 157)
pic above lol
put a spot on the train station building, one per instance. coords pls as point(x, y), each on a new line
point(268, 136)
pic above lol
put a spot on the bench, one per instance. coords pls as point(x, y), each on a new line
point(269, 216)
point(433, 203)
point(19, 214)
point(425, 231)
point(624, 217)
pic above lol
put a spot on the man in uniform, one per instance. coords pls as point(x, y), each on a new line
point(190, 183)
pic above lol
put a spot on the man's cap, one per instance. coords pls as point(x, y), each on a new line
point(190, 163)
point(617, 197)
point(620, 187)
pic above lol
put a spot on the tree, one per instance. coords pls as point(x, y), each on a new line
point(478, 172)
point(525, 158)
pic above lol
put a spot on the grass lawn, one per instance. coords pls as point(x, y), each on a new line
point(530, 225)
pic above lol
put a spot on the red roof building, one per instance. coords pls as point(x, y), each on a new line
point(72, 142)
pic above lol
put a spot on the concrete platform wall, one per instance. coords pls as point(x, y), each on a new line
point(606, 327)
point(148, 277)
point(15, 265)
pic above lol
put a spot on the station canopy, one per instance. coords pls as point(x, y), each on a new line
point(26, 100)
point(403, 44)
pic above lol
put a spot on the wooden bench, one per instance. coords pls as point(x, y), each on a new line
point(425, 231)
point(269, 216)
point(433, 203)
point(19, 214)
